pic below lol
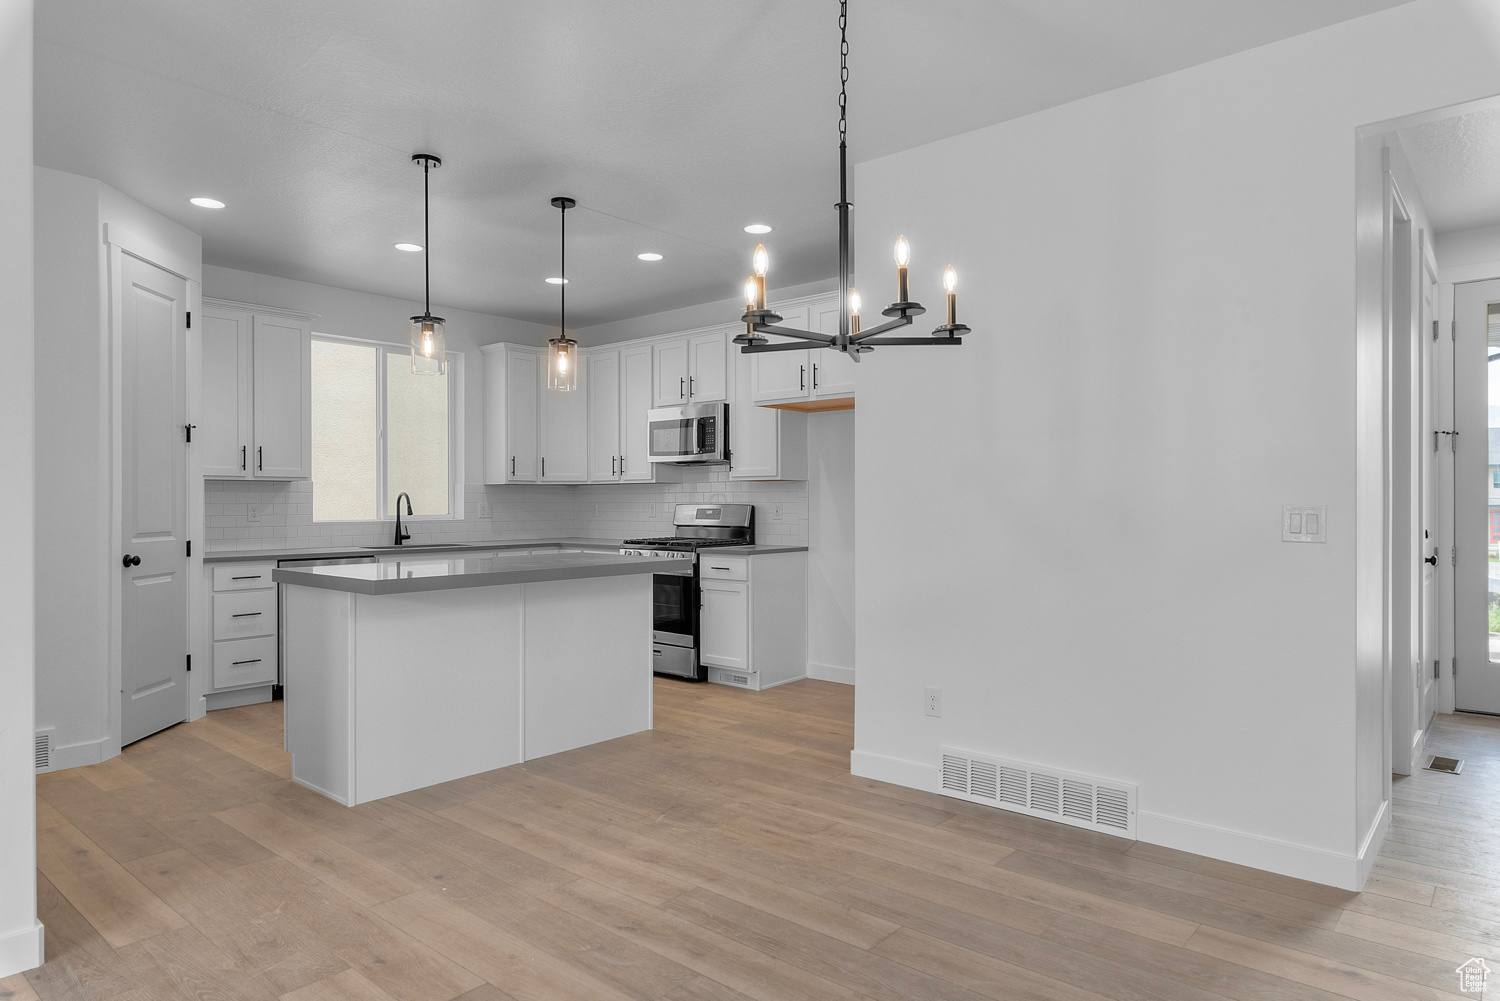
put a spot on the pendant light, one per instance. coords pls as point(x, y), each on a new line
point(562, 350)
point(428, 348)
point(850, 339)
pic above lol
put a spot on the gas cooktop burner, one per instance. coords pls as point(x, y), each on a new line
point(681, 542)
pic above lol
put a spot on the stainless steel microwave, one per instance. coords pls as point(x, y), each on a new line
point(697, 433)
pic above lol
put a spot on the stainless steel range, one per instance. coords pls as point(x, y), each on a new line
point(674, 625)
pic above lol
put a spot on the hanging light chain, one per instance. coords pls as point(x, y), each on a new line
point(843, 69)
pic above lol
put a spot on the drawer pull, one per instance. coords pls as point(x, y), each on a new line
point(241, 615)
point(721, 569)
point(254, 576)
point(237, 663)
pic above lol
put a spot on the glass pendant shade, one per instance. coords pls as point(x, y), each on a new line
point(429, 355)
point(562, 364)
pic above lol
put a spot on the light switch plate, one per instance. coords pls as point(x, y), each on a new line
point(1303, 523)
point(484, 507)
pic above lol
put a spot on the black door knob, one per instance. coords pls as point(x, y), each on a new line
point(1431, 559)
point(131, 561)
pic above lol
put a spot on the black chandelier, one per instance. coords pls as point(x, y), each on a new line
point(850, 339)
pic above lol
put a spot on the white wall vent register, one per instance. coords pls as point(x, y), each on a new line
point(1080, 800)
point(43, 750)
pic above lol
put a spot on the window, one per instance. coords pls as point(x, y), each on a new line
point(378, 431)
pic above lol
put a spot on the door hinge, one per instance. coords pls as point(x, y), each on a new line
point(1434, 330)
point(1452, 440)
point(190, 662)
point(190, 319)
point(1453, 556)
point(189, 429)
point(1453, 329)
point(190, 547)
point(1437, 670)
point(1454, 670)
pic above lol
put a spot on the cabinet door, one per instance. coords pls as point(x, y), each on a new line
point(635, 402)
point(832, 371)
point(708, 373)
point(754, 432)
point(603, 386)
point(281, 445)
point(724, 624)
point(223, 432)
point(670, 382)
point(782, 376)
point(565, 433)
point(523, 380)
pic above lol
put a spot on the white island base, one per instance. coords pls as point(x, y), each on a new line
point(387, 693)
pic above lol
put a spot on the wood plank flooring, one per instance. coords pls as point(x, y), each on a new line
point(727, 854)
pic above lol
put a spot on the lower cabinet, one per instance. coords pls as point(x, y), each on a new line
point(242, 644)
point(753, 619)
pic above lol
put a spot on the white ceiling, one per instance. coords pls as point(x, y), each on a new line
point(1454, 162)
point(673, 122)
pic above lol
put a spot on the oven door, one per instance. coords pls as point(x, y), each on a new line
point(674, 625)
point(675, 438)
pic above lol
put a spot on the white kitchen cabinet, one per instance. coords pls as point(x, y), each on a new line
point(619, 398)
point(635, 403)
point(256, 419)
point(563, 441)
point(603, 387)
point(240, 665)
point(765, 444)
point(724, 624)
point(753, 619)
point(782, 377)
point(512, 382)
point(692, 368)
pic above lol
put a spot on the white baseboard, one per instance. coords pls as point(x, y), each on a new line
point(896, 771)
point(1318, 865)
point(1315, 864)
point(829, 672)
point(238, 697)
point(22, 950)
point(90, 752)
point(1369, 848)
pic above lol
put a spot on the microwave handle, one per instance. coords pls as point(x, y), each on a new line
point(701, 424)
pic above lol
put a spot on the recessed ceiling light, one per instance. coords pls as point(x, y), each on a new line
point(410, 248)
point(557, 281)
point(757, 228)
point(207, 203)
point(649, 257)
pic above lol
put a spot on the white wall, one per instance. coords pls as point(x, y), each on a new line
point(830, 561)
point(1162, 284)
point(75, 565)
point(20, 934)
point(1468, 254)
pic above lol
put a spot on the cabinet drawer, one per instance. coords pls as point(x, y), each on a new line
point(243, 576)
point(240, 614)
point(245, 662)
point(723, 567)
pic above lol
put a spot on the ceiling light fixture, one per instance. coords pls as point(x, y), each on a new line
point(410, 248)
point(207, 203)
point(562, 350)
point(757, 228)
point(850, 339)
point(649, 257)
point(555, 281)
point(428, 348)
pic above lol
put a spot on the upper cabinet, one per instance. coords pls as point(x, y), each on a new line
point(692, 368)
point(256, 413)
point(782, 377)
point(512, 383)
point(766, 444)
point(563, 442)
point(619, 382)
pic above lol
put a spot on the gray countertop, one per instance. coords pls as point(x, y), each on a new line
point(435, 573)
point(347, 552)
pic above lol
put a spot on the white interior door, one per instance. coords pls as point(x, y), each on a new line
point(1428, 640)
point(153, 612)
point(1476, 496)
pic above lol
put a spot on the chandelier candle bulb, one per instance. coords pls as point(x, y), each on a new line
point(950, 284)
point(854, 304)
point(903, 258)
point(762, 263)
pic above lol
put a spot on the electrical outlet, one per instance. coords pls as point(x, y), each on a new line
point(596, 509)
point(932, 701)
point(484, 507)
point(775, 512)
point(252, 514)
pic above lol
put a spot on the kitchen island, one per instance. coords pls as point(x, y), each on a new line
point(401, 675)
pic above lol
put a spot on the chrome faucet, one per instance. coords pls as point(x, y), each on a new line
point(402, 534)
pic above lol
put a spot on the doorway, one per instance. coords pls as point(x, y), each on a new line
point(1476, 316)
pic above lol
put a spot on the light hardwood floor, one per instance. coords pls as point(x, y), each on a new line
point(727, 854)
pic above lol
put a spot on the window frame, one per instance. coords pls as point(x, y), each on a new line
point(455, 377)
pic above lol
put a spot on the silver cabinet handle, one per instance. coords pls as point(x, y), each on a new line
point(613, 464)
point(237, 663)
point(241, 615)
point(622, 465)
point(680, 393)
point(815, 377)
point(260, 458)
point(243, 449)
point(513, 465)
point(690, 387)
point(544, 467)
point(802, 377)
point(254, 576)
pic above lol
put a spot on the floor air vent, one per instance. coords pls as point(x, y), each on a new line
point(44, 750)
point(1079, 800)
point(1438, 763)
